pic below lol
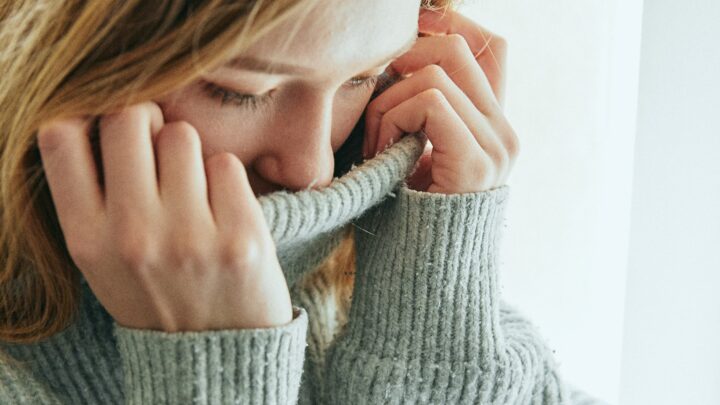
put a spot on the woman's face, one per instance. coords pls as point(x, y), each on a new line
point(309, 103)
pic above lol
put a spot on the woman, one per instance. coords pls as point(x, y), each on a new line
point(185, 206)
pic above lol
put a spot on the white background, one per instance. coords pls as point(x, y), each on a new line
point(613, 229)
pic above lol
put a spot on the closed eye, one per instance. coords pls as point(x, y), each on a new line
point(256, 101)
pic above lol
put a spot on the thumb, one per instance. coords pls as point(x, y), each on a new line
point(421, 176)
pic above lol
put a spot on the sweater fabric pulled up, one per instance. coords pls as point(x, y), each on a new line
point(426, 324)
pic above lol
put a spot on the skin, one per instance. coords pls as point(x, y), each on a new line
point(184, 239)
point(290, 141)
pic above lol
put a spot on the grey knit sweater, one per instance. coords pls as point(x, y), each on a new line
point(426, 324)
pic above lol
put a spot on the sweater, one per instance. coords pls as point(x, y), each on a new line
point(426, 324)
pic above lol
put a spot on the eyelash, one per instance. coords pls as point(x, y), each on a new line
point(255, 102)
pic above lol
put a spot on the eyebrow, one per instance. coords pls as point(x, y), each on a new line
point(259, 65)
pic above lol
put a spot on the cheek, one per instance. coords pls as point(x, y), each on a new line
point(347, 114)
point(225, 129)
point(217, 127)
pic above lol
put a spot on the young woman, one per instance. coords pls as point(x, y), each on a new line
point(193, 192)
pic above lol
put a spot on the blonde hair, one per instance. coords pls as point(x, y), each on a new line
point(83, 57)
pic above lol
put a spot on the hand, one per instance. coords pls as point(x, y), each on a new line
point(172, 243)
point(454, 95)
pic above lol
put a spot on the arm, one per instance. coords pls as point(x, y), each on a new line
point(248, 366)
point(426, 323)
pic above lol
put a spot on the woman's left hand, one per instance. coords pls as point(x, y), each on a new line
point(455, 96)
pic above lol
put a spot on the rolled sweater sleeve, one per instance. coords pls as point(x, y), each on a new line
point(426, 323)
point(247, 366)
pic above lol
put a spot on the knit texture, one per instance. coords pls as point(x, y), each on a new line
point(306, 225)
point(426, 323)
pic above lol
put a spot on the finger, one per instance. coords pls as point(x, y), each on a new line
point(489, 49)
point(70, 171)
point(126, 141)
point(431, 113)
point(421, 176)
point(454, 56)
point(455, 152)
point(181, 172)
point(433, 76)
point(232, 200)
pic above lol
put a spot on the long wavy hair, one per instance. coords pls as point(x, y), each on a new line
point(85, 57)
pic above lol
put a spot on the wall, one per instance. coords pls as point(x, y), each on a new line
point(672, 321)
point(571, 97)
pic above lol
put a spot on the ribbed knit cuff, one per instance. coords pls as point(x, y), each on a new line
point(426, 275)
point(248, 366)
point(424, 324)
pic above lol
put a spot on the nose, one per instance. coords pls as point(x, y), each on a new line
point(297, 151)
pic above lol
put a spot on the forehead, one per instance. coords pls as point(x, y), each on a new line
point(340, 36)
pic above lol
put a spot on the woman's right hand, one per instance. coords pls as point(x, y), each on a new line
point(172, 242)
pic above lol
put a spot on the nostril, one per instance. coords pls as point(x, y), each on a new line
point(261, 184)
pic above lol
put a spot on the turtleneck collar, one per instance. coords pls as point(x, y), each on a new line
point(307, 225)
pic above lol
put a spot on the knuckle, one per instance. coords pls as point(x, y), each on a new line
point(374, 107)
point(155, 114)
point(49, 137)
point(510, 140)
point(189, 253)
point(502, 159)
point(433, 97)
point(499, 155)
point(386, 124)
point(136, 250)
point(149, 110)
point(126, 218)
point(458, 43)
point(122, 114)
point(438, 75)
point(499, 42)
point(513, 145)
point(223, 162)
point(51, 134)
point(435, 71)
point(181, 127)
point(243, 253)
point(494, 109)
point(180, 133)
